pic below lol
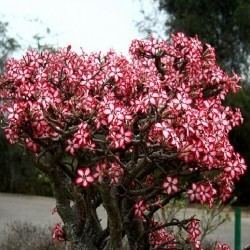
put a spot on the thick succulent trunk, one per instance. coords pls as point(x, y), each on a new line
point(81, 224)
point(85, 243)
point(111, 205)
point(134, 228)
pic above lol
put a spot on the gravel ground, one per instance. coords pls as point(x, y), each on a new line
point(38, 211)
point(32, 209)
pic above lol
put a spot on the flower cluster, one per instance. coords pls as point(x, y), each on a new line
point(202, 192)
point(109, 171)
point(81, 139)
point(58, 233)
point(162, 107)
point(194, 232)
point(161, 237)
point(220, 246)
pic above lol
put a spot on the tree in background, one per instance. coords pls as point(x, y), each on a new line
point(40, 45)
point(226, 26)
point(131, 135)
point(7, 44)
point(240, 138)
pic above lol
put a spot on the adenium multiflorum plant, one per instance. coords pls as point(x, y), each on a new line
point(127, 134)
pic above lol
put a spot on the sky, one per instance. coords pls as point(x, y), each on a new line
point(93, 25)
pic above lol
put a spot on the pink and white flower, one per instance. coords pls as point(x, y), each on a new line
point(85, 178)
point(170, 185)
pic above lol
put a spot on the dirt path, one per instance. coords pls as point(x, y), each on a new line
point(38, 211)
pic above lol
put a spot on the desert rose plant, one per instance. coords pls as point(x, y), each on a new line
point(128, 134)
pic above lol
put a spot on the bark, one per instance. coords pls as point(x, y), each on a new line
point(84, 244)
point(114, 217)
point(133, 227)
point(80, 222)
point(77, 208)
